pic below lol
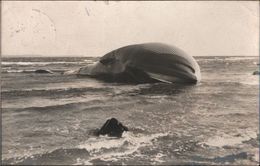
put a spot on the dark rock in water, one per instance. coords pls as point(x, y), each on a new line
point(256, 73)
point(112, 128)
point(42, 71)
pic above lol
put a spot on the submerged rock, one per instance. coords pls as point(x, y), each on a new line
point(112, 128)
point(43, 71)
point(256, 73)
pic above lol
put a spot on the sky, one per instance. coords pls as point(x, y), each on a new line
point(93, 28)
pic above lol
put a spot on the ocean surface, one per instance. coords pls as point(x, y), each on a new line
point(50, 118)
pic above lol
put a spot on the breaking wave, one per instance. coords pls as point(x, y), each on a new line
point(111, 149)
point(107, 149)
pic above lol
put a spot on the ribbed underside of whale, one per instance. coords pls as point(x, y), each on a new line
point(144, 63)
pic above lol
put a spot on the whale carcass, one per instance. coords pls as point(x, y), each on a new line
point(145, 63)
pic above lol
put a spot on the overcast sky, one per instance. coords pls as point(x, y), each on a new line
point(200, 28)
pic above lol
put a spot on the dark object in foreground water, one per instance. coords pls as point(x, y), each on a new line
point(256, 73)
point(112, 128)
point(42, 71)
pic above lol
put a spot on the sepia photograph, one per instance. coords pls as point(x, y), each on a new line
point(130, 82)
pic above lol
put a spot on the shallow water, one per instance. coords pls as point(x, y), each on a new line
point(49, 118)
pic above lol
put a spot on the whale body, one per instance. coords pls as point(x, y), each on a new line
point(145, 63)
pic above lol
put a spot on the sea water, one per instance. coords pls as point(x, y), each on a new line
point(50, 118)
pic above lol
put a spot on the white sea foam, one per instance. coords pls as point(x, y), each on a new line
point(71, 72)
point(130, 143)
point(88, 60)
point(82, 162)
point(230, 140)
point(19, 71)
point(240, 58)
point(158, 158)
point(227, 59)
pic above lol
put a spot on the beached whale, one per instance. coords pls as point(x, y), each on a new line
point(144, 63)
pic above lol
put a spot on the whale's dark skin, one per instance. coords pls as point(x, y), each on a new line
point(145, 63)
